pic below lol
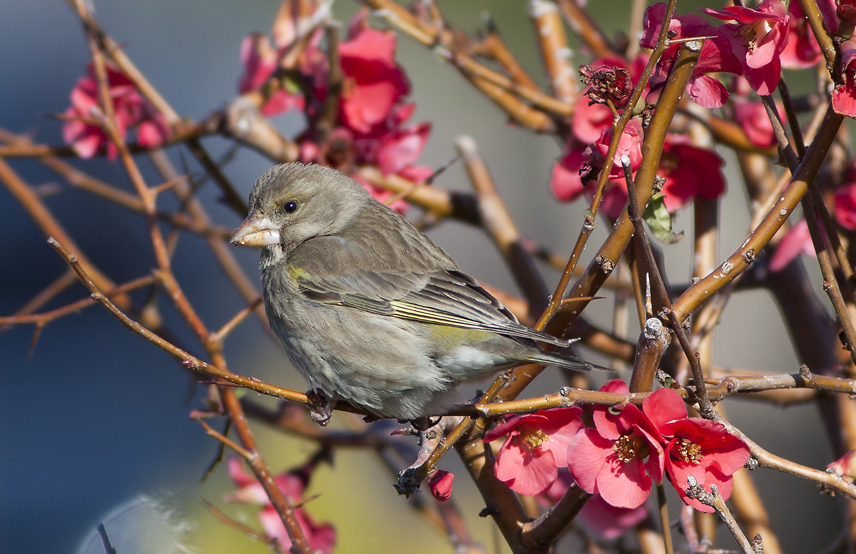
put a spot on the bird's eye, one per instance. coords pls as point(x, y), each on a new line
point(289, 207)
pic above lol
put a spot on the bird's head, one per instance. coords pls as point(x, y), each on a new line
point(293, 202)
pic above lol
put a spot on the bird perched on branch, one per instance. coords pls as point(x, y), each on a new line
point(370, 310)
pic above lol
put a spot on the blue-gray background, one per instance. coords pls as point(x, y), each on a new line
point(97, 416)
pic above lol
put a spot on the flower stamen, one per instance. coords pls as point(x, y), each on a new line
point(532, 437)
point(628, 447)
point(690, 451)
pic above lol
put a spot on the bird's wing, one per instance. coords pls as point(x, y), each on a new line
point(337, 271)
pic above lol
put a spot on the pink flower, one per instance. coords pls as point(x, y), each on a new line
point(607, 521)
point(536, 444)
point(321, 537)
point(589, 120)
point(844, 95)
point(87, 137)
point(620, 456)
point(695, 446)
point(374, 83)
point(845, 11)
point(630, 145)
point(845, 206)
point(716, 55)
point(401, 147)
point(758, 39)
point(606, 83)
point(795, 242)
point(565, 180)
point(440, 483)
point(689, 171)
point(260, 60)
point(845, 466)
point(802, 49)
point(753, 118)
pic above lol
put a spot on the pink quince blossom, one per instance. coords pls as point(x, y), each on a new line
point(620, 456)
point(753, 118)
point(844, 95)
point(321, 537)
point(578, 162)
point(689, 171)
point(845, 466)
point(845, 206)
point(131, 110)
point(802, 49)
point(260, 60)
point(796, 241)
point(695, 446)
point(716, 55)
point(534, 449)
point(440, 484)
point(374, 83)
point(629, 144)
point(758, 39)
point(605, 520)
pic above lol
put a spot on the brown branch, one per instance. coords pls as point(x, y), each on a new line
point(555, 52)
point(587, 29)
point(815, 21)
point(704, 289)
point(610, 252)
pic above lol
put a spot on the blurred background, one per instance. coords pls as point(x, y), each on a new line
point(96, 416)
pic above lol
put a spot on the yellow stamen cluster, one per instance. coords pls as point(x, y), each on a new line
point(627, 447)
point(690, 451)
point(533, 437)
point(753, 32)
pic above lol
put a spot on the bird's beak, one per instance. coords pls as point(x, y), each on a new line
point(257, 231)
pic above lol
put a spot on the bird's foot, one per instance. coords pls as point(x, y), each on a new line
point(320, 407)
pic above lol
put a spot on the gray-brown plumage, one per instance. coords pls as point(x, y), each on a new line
point(368, 309)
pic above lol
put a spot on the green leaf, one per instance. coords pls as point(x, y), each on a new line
point(660, 220)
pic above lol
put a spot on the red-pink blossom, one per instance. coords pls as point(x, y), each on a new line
point(84, 133)
point(845, 466)
point(590, 120)
point(845, 206)
point(321, 537)
point(440, 484)
point(758, 39)
point(401, 147)
point(845, 11)
point(796, 241)
point(689, 171)
point(753, 118)
point(629, 144)
point(716, 55)
point(802, 49)
point(694, 446)
point(534, 449)
point(374, 83)
point(606, 84)
point(565, 180)
point(260, 60)
point(620, 456)
point(844, 95)
point(579, 162)
point(605, 520)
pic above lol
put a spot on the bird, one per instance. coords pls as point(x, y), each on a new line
point(368, 308)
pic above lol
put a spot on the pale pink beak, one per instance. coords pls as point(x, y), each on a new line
point(257, 231)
